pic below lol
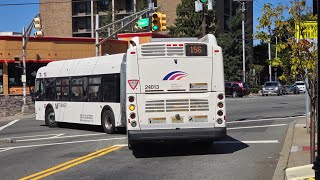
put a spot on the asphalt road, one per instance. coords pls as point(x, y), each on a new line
point(256, 130)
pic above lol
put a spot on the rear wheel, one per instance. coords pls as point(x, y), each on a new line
point(108, 122)
point(50, 119)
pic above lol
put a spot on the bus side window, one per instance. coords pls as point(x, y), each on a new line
point(39, 93)
point(77, 89)
point(110, 86)
point(50, 89)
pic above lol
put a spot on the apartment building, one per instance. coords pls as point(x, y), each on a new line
point(65, 18)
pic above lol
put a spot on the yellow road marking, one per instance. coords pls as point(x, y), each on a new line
point(69, 164)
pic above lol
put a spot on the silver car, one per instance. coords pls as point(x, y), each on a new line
point(272, 88)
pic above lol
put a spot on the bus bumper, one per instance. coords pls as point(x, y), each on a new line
point(177, 134)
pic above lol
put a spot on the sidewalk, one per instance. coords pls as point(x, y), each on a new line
point(294, 160)
point(18, 116)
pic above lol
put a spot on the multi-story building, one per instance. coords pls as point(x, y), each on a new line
point(74, 18)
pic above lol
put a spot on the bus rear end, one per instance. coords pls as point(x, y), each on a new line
point(175, 91)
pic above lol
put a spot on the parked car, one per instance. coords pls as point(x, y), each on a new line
point(236, 89)
point(290, 89)
point(272, 88)
point(301, 86)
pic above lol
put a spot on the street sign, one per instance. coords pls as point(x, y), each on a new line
point(310, 30)
point(143, 22)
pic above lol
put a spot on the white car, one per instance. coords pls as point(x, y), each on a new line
point(301, 86)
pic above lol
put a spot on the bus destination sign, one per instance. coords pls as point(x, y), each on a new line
point(196, 50)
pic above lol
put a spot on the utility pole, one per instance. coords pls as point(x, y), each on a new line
point(243, 10)
point(203, 25)
point(269, 50)
point(275, 69)
point(92, 20)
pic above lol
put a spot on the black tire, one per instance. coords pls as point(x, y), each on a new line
point(234, 94)
point(50, 118)
point(108, 122)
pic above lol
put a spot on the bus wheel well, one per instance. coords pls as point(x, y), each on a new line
point(49, 106)
point(105, 108)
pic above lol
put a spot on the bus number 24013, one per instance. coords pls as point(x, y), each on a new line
point(152, 87)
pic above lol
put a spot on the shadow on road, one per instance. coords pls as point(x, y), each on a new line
point(85, 127)
point(226, 146)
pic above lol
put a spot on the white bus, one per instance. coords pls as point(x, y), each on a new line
point(158, 91)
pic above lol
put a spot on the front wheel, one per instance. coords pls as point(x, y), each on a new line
point(50, 119)
point(108, 122)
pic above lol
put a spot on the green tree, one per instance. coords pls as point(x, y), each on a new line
point(297, 56)
point(231, 43)
point(188, 22)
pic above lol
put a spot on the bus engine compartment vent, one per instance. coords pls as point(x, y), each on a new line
point(161, 50)
point(177, 105)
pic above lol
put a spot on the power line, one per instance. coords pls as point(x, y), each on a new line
point(53, 2)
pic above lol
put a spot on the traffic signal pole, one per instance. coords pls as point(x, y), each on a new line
point(25, 38)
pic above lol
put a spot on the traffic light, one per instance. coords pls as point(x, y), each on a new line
point(159, 21)
point(156, 21)
point(163, 22)
point(37, 25)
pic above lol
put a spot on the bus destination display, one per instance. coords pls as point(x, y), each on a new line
point(196, 50)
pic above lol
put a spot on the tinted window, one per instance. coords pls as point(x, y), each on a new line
point(236, 85)
point(77, 89)
point(111, 88)
point(50, 89)
point(94, 91)
point(39, 94)
point(62, 89)
point(300, 84)
point(227, 84)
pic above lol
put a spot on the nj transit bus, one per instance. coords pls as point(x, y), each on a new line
point(158, 91)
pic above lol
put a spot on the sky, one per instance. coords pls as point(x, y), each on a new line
point(13, 18)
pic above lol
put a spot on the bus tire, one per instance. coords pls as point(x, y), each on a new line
point(108, 122)
point(50, 119)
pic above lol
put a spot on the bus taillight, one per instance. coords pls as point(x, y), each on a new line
point(220, 113)
point(220, 96)
point(133, 115)
point(220, 105)
point(131, 99)
point(132, 107)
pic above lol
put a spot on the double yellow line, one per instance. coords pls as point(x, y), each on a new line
point(69, 164)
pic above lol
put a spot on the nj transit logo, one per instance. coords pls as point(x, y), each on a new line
point(175, 75)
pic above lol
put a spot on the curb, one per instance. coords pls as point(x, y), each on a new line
point(279, 173)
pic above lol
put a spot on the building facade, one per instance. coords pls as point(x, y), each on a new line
point(41, 51)
point(75, 18)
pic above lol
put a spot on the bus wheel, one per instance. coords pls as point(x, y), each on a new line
point(108, 122)
point(50, 118)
